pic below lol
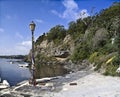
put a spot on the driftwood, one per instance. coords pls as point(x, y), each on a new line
point(45, 79)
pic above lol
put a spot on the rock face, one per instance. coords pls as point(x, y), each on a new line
point(50, 49)
point(49, 53)
point(100, 37)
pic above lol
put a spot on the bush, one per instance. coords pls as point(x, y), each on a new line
point(40, 39)
point(92, 57)
point(98, 66)
point(81, 52)
point(111, 70)
point(58, 32)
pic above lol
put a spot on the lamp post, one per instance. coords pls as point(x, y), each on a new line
point(32, 28)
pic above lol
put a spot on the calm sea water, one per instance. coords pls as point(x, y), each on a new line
point(12, 72)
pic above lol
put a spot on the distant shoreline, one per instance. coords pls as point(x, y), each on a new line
point(13, 56)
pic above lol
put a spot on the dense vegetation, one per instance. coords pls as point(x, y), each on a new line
point(96, 38)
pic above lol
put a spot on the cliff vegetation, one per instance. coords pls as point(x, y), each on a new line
point(94, 40)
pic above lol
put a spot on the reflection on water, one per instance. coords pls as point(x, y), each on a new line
point(14, 74)
point(50, 70)
point(11, 71)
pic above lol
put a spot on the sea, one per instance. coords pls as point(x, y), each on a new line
point(11, 71)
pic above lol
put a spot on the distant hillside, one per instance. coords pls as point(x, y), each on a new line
point(94, 40)
point(13, 56)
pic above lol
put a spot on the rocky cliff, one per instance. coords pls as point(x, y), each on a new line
point(63, 50)
point(86, 41)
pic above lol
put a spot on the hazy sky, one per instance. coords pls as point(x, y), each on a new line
point(16, 15)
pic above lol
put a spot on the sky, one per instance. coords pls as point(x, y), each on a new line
point(16, 15)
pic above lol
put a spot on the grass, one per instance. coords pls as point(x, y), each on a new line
point(111, 70)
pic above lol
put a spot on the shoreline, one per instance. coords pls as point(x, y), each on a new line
point(86, 83)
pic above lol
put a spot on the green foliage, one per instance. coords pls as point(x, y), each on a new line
point(41, 58)
point(98, 66)
point(40, 39)
point(109, 48)
point(56, 33)
point(76, 29)
point(111, 70)
point(107, 62)
point(98, 59)
point(65, 46)
point(81, 27)
point(81, 52)
point(103, 19)
point(118, 41)
point(72, 28)
point(92, 57)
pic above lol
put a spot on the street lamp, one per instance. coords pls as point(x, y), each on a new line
point(32, 28)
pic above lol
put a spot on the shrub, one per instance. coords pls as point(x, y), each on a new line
point(98, 66)
point(81, 52)
point(93, 57)
point(111, 70)
point(58, 32)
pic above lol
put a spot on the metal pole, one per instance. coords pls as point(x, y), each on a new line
point(33, 60)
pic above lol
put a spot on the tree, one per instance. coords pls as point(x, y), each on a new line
point(80, 26)
point(58, 32)
point(72, 28)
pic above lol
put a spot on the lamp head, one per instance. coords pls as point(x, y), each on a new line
point(32, 26)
